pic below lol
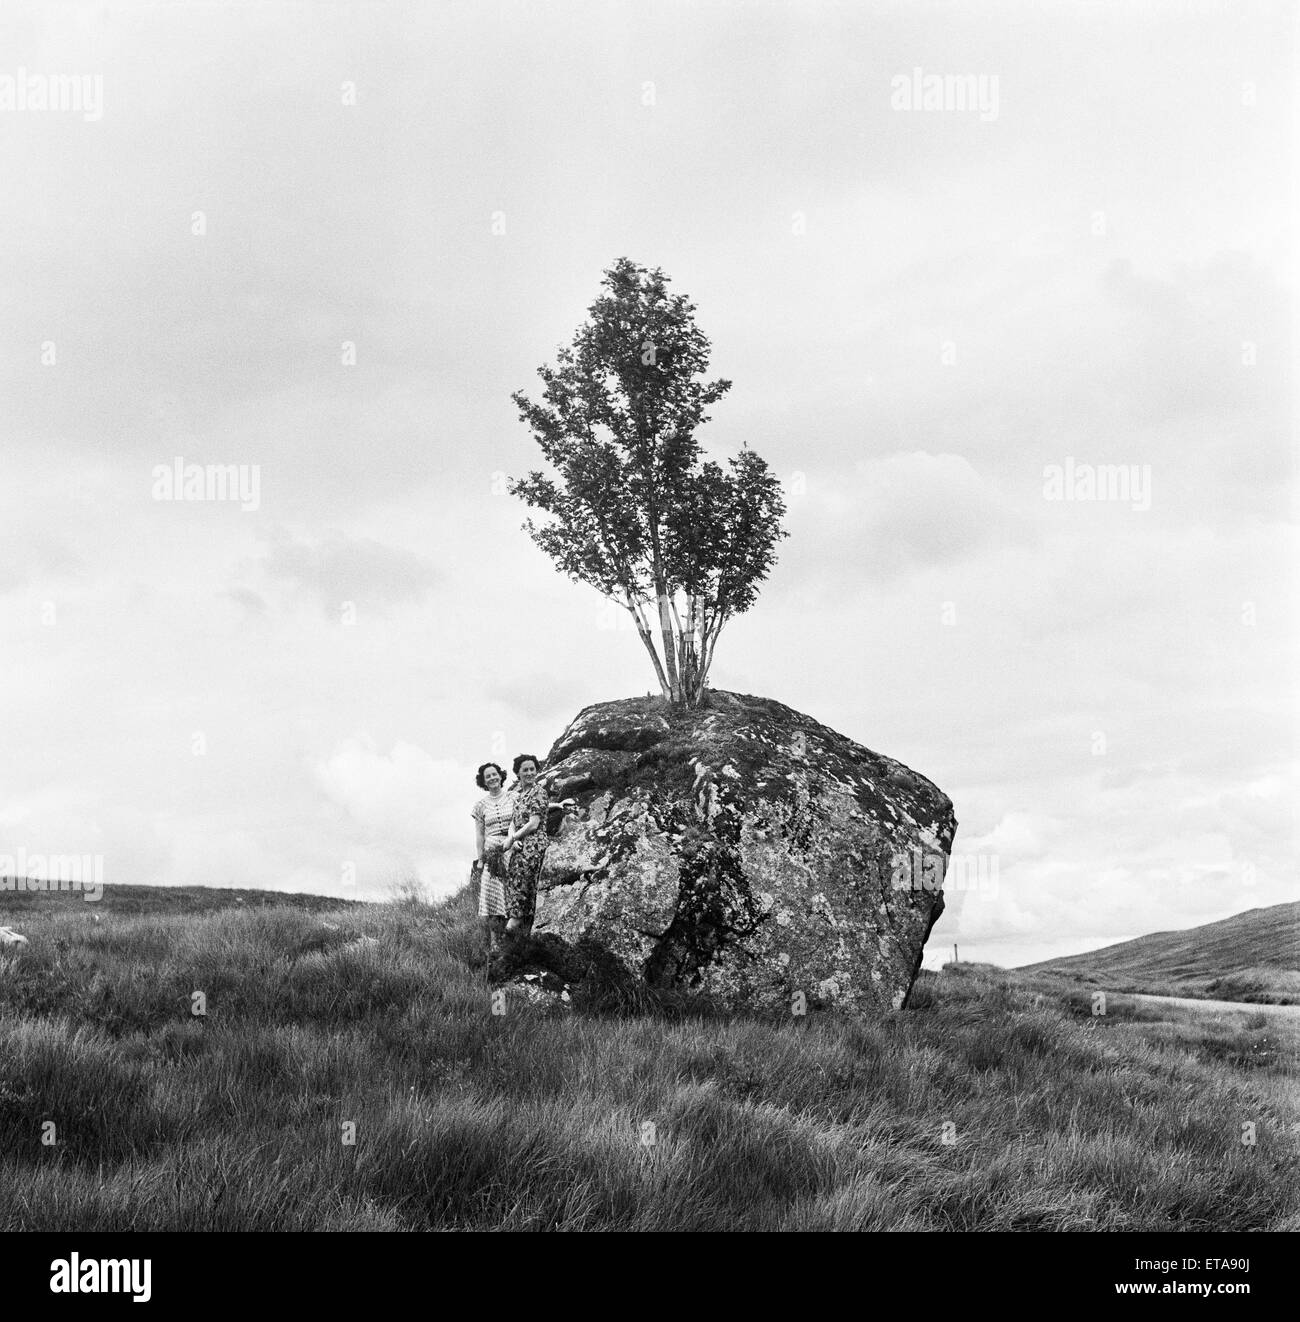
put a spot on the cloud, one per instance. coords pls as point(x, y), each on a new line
point(920, 509)
point(251, 601)
point(542, 695)
point(405, 797)
point(338, 568)
point(888, 518)
point(1203, 338)
point(34, 553)
point(369, 224)
point(1018, 836)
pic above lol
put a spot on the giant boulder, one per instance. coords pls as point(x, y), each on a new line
point(744, 850)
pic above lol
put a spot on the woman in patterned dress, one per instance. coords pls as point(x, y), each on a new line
point(527, 843)
point(493, 815)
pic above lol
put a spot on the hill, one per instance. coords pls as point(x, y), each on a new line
point(1252, 956)
point(352, 1070)
point(15, 905)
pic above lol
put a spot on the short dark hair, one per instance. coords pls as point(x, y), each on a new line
point(478, 775)
point(525, 757)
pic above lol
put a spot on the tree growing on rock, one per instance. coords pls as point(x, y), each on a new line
point(677, 540)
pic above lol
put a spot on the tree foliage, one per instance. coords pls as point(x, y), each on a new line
point(636, 511)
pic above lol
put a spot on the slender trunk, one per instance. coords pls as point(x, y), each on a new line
point(643, 629)
point(670, 645)
point(677, 637)
point(694, 629)
point(665, 618)
point(685, 647)
point(710, 643)
point(656, 554)
point(693, 684)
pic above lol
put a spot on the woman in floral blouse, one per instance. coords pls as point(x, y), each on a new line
point(527, 843)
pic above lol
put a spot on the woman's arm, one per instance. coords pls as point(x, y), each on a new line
point(531, 825)
point(527, 828)
point(478, 836)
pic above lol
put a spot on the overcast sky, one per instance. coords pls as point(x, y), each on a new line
point(922, 310)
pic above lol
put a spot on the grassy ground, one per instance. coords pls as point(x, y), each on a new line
point(1260, 986)
point(992, 1103)
point(17, 907)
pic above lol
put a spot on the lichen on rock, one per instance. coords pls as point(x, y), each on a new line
point(744, 850)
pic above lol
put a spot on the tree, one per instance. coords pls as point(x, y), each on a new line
point(636, 512)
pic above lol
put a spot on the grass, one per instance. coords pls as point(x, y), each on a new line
point(1258, 986)
point(993, 1102)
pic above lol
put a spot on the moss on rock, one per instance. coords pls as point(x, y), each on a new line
point(744, 850)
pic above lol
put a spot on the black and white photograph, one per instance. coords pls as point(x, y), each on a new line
point(660, 617)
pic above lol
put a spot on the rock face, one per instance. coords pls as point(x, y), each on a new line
point(744, 850)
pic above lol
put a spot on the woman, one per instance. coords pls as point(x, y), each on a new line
point(527, 843)
point(493, 816)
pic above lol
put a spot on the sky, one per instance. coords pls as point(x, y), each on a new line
point(324, 243)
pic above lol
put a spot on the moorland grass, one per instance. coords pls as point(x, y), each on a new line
point(990, 1103)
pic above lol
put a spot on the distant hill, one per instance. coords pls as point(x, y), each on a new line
point(1252, 956)
point(164, 899)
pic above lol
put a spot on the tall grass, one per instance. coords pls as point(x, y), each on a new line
point(986, 1105)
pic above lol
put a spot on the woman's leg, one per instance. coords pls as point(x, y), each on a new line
point(516, 893)
point(494, 867)
point(521, 891)
point(526, 869)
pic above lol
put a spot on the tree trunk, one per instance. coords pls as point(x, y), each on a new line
point(686, 657)
point(643, 629)
point(665, 620)
point(706, 658)
point(670, 643)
